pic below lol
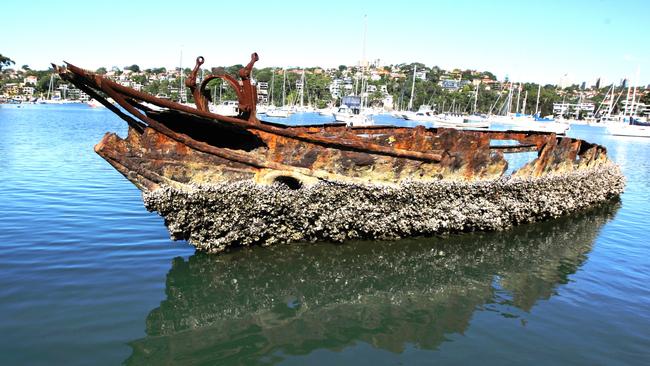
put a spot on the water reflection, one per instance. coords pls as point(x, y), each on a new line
point(252, 306)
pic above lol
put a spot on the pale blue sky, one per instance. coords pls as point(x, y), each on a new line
point(528, 40)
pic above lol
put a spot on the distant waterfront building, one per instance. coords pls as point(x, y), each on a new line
point(450, 84)
point(28, 90)
point(335, 88)
point(637, 109)
point(348, 84)
point(453, 85)
point(262, 92)
point(564, 109)
point(30, 80)
point(12, 88)
point(76, 94)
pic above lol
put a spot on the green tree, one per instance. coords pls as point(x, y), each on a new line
point(263, 75)
point(488, 75)
point(5, 61)
point(101, 70)
point(134, 68)
point(645, 98)
point(159, 70)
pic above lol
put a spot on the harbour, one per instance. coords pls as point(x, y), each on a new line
point(89, 273)
point(325, 183)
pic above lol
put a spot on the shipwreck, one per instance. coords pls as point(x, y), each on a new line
point(222, 181)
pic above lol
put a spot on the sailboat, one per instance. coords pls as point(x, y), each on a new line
point(352, 111)
point(521, 122)
point(630, 124)
point(52, 98)
point(273, 111)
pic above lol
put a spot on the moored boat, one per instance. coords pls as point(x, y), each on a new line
point(633, 129)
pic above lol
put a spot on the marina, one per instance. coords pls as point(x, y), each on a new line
point(325, 183)
point(75, 230)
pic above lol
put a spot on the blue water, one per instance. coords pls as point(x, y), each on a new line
point(88, 276)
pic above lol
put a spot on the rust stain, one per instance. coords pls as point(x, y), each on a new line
point(169, 147)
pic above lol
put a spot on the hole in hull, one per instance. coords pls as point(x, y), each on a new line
point(289, 182)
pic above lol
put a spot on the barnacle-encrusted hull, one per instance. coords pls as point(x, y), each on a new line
point(220, 181)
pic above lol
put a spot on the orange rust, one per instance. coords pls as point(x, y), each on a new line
point(168, 146)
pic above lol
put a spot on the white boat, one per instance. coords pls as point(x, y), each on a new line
point(453, 121)
point(397, 114)
point(261, 109)
point(277, 113)
point(93, 103)
point(630, 124)
point(518, 122)
point(629, 130)
point(474, 121)
point(420, 116)
point(347, 115)
point(226, 108)
point(423, 114)
point(326, 111)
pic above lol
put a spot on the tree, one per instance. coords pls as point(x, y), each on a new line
point(5, 61)
point(489, 75)
point(25, 67)
point(134, 68)
point(264, 75)
point(101, 70)
point(158, 70)
point(645, 98)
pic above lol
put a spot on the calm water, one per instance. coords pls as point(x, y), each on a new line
point(88, 276)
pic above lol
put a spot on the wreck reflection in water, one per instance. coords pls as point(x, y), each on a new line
point(261, 305)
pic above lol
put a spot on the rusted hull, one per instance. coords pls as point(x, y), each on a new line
point(176, 144)
point(150, 159)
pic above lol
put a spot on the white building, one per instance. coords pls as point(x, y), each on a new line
point(30, 80)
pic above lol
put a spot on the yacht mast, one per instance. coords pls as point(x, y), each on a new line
point(518, 95)
point(633, 108)
point(181, 89)
point(509, 108)
point(51, 88)
point(539, 91)
point(627, 97)
point(302, 88)
point(272, 85)
point(523, 105)
point(284, 82)
point(475, 98)
point(364, 87)
point(611, 102)
point(415, 67)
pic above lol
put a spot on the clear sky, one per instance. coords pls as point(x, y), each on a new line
point(538, 41)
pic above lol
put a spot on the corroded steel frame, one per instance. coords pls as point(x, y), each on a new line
point(172, 143)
